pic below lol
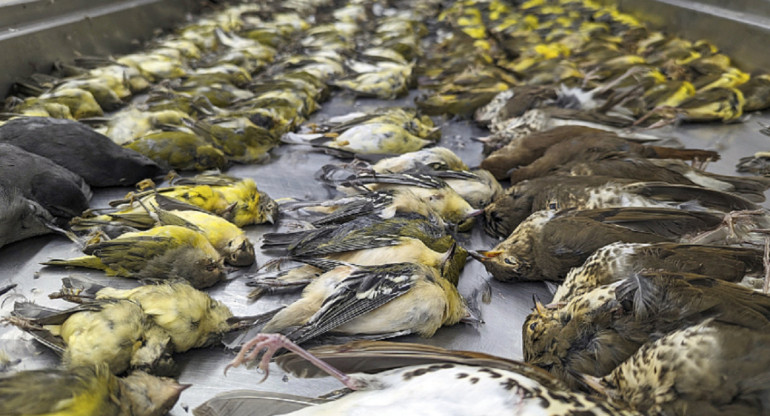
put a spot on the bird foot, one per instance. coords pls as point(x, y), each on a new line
point(273, 343)
point(766, 263)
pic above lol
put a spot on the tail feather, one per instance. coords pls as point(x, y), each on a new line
point(89, 262)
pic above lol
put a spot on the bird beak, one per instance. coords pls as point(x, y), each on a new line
point(595, 383)
point(447, 257)
point(540, 309)
point(482, 256)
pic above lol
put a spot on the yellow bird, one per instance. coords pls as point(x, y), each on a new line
point(86, 391)
point(168, 252)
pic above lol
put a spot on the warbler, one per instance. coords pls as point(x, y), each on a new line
point(365, 139)
point(239, 139)
point(436, 158)
point(409, 378)
point(615, 261)
point(168, 252)
point(728, 378)
point(105, 331)
point(382, 301)
point(227, 238)
point(385, 80)
point(131, 123)
point(617, 319)
point(548, 243)
point(79, 149)
point(756, 93)
point(406, 118)
point(63, 193)
point(434, 191)
point(179, 150)
point(365, 241)
point(591, 192)
point(235, 199)
point(80, 102)
point(155, 66)
point(189, 316)
point(88, 391)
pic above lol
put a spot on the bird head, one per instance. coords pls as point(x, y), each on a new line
point(240, 252)
point(502, 265)
point(145, 394)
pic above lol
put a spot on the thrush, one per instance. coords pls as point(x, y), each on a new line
point(618, 260)
point(709, 368)
point(595, 332)
point(591, 192)
point(408, 379)
point(539, 153)
point(671, 171)
point(548, 243)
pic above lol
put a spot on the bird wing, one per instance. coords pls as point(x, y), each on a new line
point(244, 403)
point(131, 253)
point(706, 197)
point(365, 290)
point(376, 356)
point(665, 222)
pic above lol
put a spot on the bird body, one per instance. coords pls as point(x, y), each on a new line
point(710, 368)
point(189, 316)
point(596, 331)
point(166, 252)
point(105, 331)
point(86, 391)
point(407, 378)
point(592, 192)
point(79, 149)
point(548, 243)
point(179, 150)
point(63, 193)
point(383, 300)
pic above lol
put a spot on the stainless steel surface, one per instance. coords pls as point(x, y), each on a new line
point(739, 28)
point(34, 33)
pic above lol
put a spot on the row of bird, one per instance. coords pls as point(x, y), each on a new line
point(383, 261)
point(660, 264)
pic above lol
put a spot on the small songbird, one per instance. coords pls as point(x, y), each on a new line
point(384, 301)
point(436, 158)
point(591, 192)
point(180, 150)
point(548, 243)
point(189, 316)
point(405, 378)
point(87, 391)
point(367, 240)
point(168, 252)
point(76, 147)
point(227, 238)
point(616, 261)
point(595, 332)
point(671, 171)
point(58, 190)
point(757, 164)
point(539, 153)
point(709, 368)
point(104, 331)
point(237, 200)
point(430, 188)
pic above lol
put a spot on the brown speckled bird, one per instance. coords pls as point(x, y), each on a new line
point(409, 379)
point(548, 243)
point(596, 331)
point(671, 171)
point(619, 260)
point(542, 152)
point(591, 192)
point(710, 368)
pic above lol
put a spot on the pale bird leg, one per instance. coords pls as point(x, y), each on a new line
point(273, 343)
point(766, 262)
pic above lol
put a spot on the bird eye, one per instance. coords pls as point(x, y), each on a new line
point(532, 326)
point(510, 260)
point(553, 205)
